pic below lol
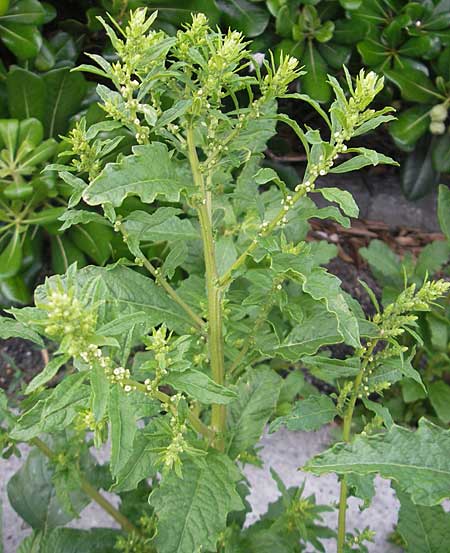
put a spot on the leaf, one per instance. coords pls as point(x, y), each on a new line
point(244, 16)
point(144, 459)
point(24, 41)
point(72, 217)
point(33, 496)
point(192, 511)
point(366, 157)
point(9, 328)
point(26, 94)
point(418, 176)
point(56, 412)
point(414, 85)
point(432, 258)
point(47, 373)
point(258, 393)
point(419, 461)
point(149, 173)
point(411, 124)
point(439, 394)
point(123, 428)
point(307, 414)
point(199, 386)
point(444, 209)
point(441, 153)
point(362, 487)
point(11, 257)
point(380, 411)
point(343, 198)
point(93, 239)
point(121, 291)
point(64, 92)
point(328, 369)
point(29, 12)
point(226, 254)
point(71, 540)
point(384, 263)
point(314, 83)
point(424, 529)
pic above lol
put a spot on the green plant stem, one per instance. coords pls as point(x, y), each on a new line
point(196, 423)
point(214, 293)
point(92, 492)
point(346, 437)
point(226, 278)
point(199, 323)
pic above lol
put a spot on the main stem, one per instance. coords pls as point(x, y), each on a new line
point(214, 294)
point(346, 437)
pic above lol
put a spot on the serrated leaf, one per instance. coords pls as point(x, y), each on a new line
point(79, 216)
point(307, 414)
point(9, 328)
point(424, 529)
point(328, 368)
point(343, 198)
point(192, 511)
point(258, 393)
point(71, 540)
point(150, 172)
point(123, 428)
point(33, 496)
point(362, 487)
point(200, 387)
point(419, 461)
point(47, 373)
point(143, 461)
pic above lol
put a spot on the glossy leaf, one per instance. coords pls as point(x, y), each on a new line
point(11, 257)
point(444, 209)
point(410, 125)
point(418, 175)
point(245, 16)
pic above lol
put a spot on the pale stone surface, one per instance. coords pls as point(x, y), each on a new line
point(285, 452)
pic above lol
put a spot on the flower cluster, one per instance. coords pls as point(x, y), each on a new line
point(69, 320)
point(393, 322)
point(86, 155)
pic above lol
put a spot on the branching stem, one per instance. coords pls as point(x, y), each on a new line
point(91, 492)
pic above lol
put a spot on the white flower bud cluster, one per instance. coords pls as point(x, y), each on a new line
point(438, 115)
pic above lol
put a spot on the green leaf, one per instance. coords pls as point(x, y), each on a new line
point(408, 457)
point(93, 239)
point(64, 253)
point(418, 176)
point(411, 124)
point(372, 52)
point(144, 459)
point(432, 258)
point(314, 83)
point(33, 496)
point(258, 393)
point(64, 92)
point(307, 415)
point(424, 529)
point(29, 12)
point(56, 412)
point(244, 16)
point(122, 291)
point(11, 257)
point(192, 511)
point(72, 217)
point(362, 487)
point(47, 373)
point(441, 153)
point(383, 262)
point(26, 94)
point(9, 328)
point(71, 540)
point(380, 411)
point(328, 369)
point(343, 198)
point(439, 394)
point(414, 85)
point(366, 157)
point(444, 209)
point(149, 173)
point(200, 387)
point(24, 41)
point(123, 428)
point(226, 254)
